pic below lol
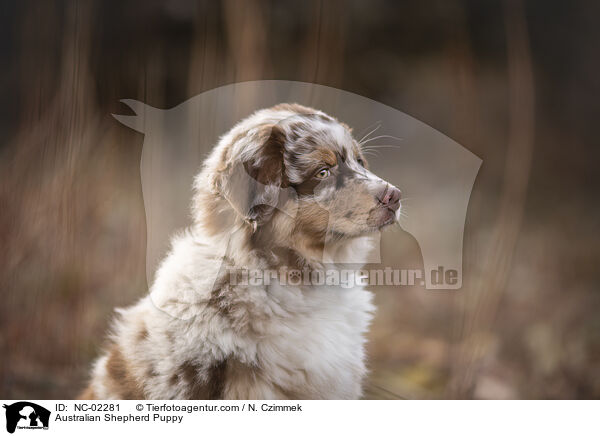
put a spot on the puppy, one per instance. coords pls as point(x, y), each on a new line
point(285, 190)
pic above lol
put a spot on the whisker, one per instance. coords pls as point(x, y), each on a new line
point(364, 141)
point(371, 132)
point(374, 146)
point(373, 153)
point(370, 150)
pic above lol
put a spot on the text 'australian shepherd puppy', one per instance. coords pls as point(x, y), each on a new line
point(281, 188)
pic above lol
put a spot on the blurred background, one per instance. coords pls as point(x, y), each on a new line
point(515, 82)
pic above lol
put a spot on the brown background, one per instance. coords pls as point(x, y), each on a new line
point(515, 82)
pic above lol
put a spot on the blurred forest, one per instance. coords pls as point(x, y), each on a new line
point(516, 82)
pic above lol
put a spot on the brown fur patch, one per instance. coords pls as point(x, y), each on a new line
point(311, 228)
point(216, 380)
point(218, 296)
point(121, 378)
point(270, 156)
point(312, 219)
point(243, 381)
point(324, 155)
point(211, 388)
point(189, 372)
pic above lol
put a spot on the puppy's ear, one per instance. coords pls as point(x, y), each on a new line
point(254, 181)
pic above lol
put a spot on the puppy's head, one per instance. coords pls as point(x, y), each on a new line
point(297, 177)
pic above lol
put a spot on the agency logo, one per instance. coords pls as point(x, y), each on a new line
point(436, 174)
point(26, 415)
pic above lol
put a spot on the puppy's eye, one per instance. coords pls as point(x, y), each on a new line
point(360, 162)
point(323, 173)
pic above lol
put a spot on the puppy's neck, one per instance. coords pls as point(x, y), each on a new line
point(304, 253)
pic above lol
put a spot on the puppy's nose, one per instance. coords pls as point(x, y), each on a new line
point(390, 197)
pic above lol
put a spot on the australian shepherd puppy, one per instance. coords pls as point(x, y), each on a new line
point(285, 190)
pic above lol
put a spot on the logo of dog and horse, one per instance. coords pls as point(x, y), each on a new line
point(26, 415)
